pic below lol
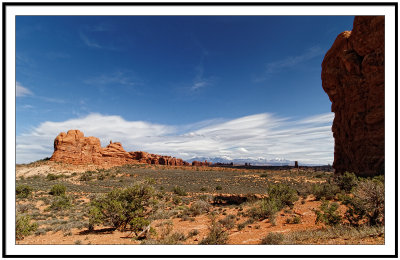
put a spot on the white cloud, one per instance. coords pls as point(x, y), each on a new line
point(22, 91)
point(256, 136)
point(289, 62)
point(117, 77)
point(89, 42)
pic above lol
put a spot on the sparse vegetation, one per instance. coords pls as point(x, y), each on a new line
point(367, 204)
point(23, 191)
point(216, 236)
point(179, 191)
point(122, 208)
point(246, 203)
point(328, 213)
point(272, 239)
point(58, 190)
point(24, 227)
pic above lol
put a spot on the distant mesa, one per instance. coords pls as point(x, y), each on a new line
point(353, 76)
point(74, 148)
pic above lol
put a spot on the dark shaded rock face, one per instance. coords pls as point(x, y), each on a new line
point(353, 76)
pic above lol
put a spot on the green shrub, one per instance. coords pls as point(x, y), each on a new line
point(122, 208)
point(52, 177)
point(326, 191)
point(179, 191)
point(218, 187)
point(328, 213)
point(282, 194)
point(23, 191)
point(58, 190)
point(272, 239)
point(293, 220)
point(368, 203)
point(265, 208)
point(193, 233)
point(216, 236)
point(347, 181)
point(228, 222)
point(23, 227)
point(199, 207)
point(61, 202)
point(86, 176)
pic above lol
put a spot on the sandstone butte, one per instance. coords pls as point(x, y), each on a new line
point(74, 148)
point(353, 75)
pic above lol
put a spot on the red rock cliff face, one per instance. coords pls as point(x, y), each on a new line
point(353, 77)
point(74, 148)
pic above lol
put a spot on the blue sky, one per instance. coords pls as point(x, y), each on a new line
point(188, 86)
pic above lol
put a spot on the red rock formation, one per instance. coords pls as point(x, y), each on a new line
point(353, 77)
point(197, 163)
point(73, 147)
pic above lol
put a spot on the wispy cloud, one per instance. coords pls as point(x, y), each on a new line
point(307, 140)
point(118, 77)
point(54, 55)
point(88, 33)
point(22, 91)
point(289, 62)
point(199, 80)
point(89, 42)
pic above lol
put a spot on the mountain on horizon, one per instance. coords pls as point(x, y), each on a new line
point(242, 161)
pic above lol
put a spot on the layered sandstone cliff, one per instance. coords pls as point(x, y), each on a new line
point(353, 76)
point(74, 148)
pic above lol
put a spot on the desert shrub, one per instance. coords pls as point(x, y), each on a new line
point(203, 189)
point(228, 222)
point(23, 191)
point(121, 208)
point(265, 208)
point(216, 236)
point(193, 233)
point(58, 189)
point(23, 227)
point(328, 213)
point(173, 239)
point(61, 202)
point(176, 200)
point(282, 194)
point(272, 239)
point(368, 203)
point(263, 175)
point(52, 177)
point(293, 220)
point(86, 176)
point(179, 191)
point(326, 191)
point(346, 181)
point(218, 187)
point(199, 207)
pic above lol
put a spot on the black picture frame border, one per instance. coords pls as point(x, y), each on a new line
point(4, 134)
